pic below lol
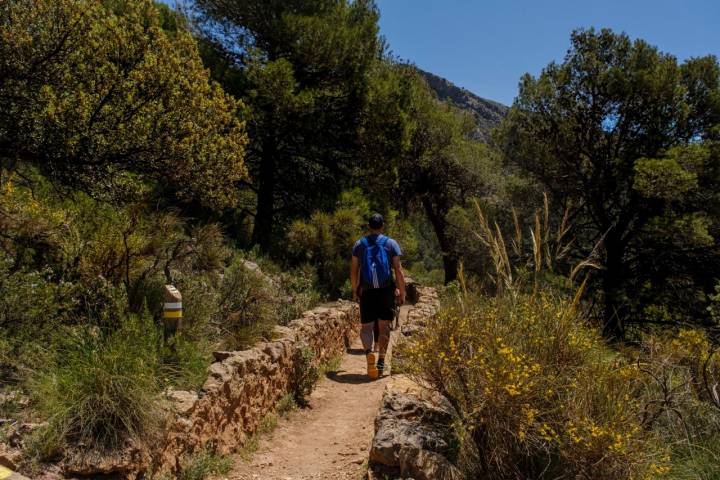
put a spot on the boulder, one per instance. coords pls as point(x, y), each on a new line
point(9, 456)
point(412, 439)
point(122, 464)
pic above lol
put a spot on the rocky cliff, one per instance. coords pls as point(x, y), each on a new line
point(488, 114)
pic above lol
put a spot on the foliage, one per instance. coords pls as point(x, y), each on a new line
point(247, 301)
point(94, 93)
point(286, 405)
point(185, 361)
point(306, 375)
point(298, 293)
point(326, 239)
point(557, 401)
point(432, 161)
point(42, 445)
point(302, 67)
point(31, 307)
point(551, 402)
point(624, 135)
point(680, 381)
point(103, 388)
point(204, 464)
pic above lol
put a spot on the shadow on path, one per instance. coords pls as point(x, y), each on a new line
point(355, 351)
point(352, 378)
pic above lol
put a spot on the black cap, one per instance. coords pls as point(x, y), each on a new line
point(376, 221)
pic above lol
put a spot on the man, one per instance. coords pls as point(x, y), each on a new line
point(374, 258)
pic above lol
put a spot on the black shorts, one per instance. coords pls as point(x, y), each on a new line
point(377, 304)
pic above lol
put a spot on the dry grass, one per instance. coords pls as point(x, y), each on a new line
point(538, 393)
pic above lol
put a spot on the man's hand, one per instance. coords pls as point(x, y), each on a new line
point(400, 296)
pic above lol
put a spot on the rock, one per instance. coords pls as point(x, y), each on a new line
point(241, 388)
point(90, 464)
point(411, 438)
point(182, 401)
point(412, 433)
point(410, 330)
point(426, 465)
point(9, 456)
point(222, 355)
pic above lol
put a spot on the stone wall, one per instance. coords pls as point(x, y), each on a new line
point(244, 386)
point(241, 388)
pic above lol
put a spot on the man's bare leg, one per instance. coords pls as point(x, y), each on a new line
point(376, 335)
point(383, 342)
point(366, 336)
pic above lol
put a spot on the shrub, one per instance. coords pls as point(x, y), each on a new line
point(306, 375)
point(247, 305)
point(325, 240)
point(286, 405)
point(204, 464)
point(185, 362)
point(681, 375)
point(299, 293)
point(552, 401)
point(32, 306)
point(103, 389)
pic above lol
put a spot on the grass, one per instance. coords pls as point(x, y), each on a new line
point(268, 424)
point(537, 392)
point(286, 405)
point(307, 374)
point(204, 464)
point(252, 443)
point(332, 365)
point(103, 388)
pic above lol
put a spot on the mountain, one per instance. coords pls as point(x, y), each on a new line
point(487, 113)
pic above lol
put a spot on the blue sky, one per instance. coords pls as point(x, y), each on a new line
point(486, 45)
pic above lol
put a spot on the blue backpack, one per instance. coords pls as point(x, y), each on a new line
point(375, 268)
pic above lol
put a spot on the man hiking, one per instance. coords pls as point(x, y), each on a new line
point(374, 258)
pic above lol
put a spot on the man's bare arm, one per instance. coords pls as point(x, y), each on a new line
point(399, 278)
point(355, 276)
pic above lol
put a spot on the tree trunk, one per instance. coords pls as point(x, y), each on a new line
point(262, 230)
point(450, 259)
point(613, 321)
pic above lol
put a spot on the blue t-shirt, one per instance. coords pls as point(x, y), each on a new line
point(392, 248)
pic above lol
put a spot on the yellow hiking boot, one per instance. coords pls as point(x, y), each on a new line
point(372, 370)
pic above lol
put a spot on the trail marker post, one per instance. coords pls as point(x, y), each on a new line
point(172, 311)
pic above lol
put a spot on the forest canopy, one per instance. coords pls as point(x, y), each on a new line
point(235, 149)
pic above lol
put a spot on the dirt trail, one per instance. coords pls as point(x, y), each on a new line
point(330, 439)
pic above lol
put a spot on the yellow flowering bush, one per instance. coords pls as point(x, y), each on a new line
point(681, 378)
point(537, 392)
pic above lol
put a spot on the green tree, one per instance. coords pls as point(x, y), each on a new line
point(96, 93)
point(420, 151)
point(611, 131)
point(302, 68)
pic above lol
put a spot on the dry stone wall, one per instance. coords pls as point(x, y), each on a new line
point(242, 387)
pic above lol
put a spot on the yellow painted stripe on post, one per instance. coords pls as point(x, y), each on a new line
point(4, 472)
point(172, 314)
